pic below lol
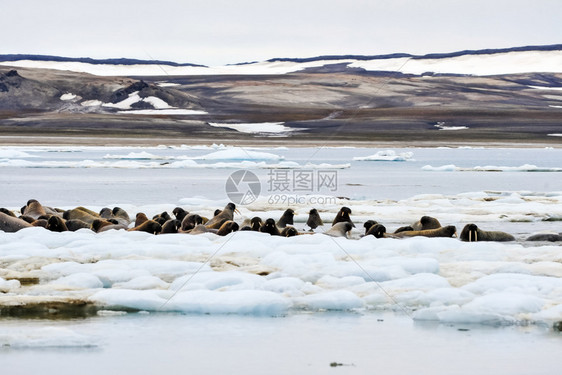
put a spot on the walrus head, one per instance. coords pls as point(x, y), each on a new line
point(377, 230)
point(289, 232)
point(368, 224)
point(270, 227)
point(56, 224)
point(470, 233)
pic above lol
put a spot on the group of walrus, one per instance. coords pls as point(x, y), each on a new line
point(34, 214)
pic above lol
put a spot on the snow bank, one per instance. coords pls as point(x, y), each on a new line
point(257, 128)
point(440, 279)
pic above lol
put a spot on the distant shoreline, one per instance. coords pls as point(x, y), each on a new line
point(290, 142)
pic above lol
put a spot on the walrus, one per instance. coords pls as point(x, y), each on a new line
point(289, 232)
point(34, 209)
point(377, 230)
point(368, 224)
point(106, 213)
point(117, 214)
point(340, 229)
point(199, 229)
point(286, 218)
point(140, 218)
point(179, 213)
point(551, 237)
point(121, 215)
point(189, 222)
point(228, 227)
point(404, 229)
point(75, 224)
point(253, 224)
point(7, 212)
point(56, 224)
point(342, 216)
point(149, 226)
point(171, 226)
point(80, 213)
point(99, 224)
point(226, 214)
point(447, 231)
point(217, 211)
point(314, 220)
point(40, 223)
point(426, 222)
point(471, 233)
point(10, 224)
point(165, 215)
point(160, 219)
point(270, 227)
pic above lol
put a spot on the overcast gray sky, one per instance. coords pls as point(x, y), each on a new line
point(217, 32)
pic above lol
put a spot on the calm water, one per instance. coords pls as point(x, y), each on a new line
point(296, 344)
point(364, 180)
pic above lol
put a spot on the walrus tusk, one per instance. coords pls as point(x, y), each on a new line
point(469, 236)
point(238, 212)
point(476, 236)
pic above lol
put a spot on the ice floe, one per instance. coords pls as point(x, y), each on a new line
point(492, 168)
point(387, 155)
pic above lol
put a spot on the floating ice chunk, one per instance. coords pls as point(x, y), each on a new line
point(239, 153)
point(30, 337)
point(143, 155)
point(388, 155)
point(10, 154)
point(492, 168)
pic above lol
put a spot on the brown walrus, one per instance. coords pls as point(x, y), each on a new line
point(34, 209)
point(270, 227)
point(289, 232)
point(227, 227)
point(342, 216)
point(189, 222)
point(56, 224)
point(447, 231)
point(551, 237)
point(149, 226)
point(426, 222)
point(377, 230)
point(252, 224)
point(314, 220)
point(286, 218)
point(171, 226)
point(471, 233)
point(12, 224)
point(81, 213)
point(227, 214)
